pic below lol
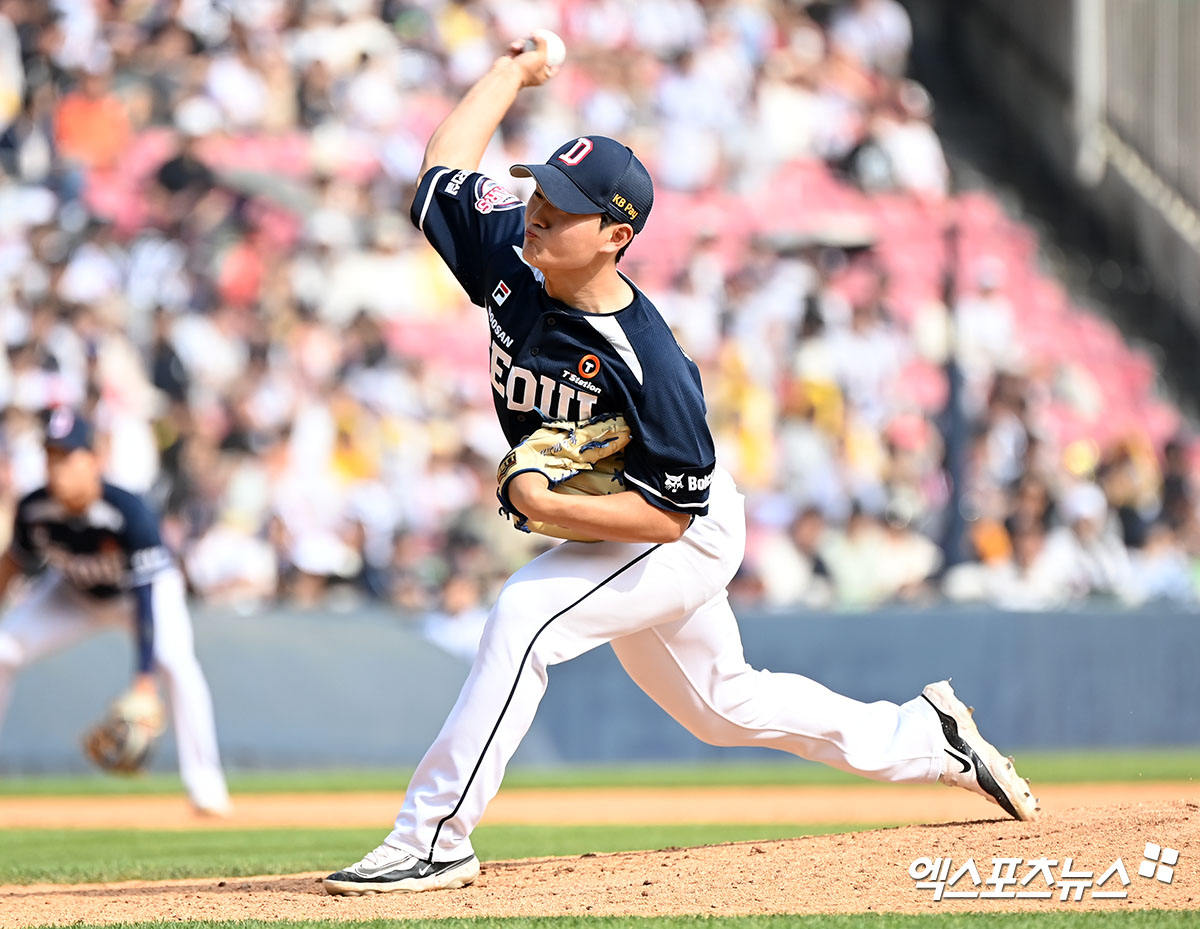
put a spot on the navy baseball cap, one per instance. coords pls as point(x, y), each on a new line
point(66, 430)
point(595, 174)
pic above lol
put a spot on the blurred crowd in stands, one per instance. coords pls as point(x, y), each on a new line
point(204, 243)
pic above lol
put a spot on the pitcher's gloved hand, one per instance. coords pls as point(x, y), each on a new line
point(574, 458)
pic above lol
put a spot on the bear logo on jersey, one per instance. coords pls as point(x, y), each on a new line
point(673, 483)
point(490, 197)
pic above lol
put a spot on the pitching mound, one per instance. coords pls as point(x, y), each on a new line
point(852, 872)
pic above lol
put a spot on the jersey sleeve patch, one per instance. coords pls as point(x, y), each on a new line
point(685, 489)
point(468, 218)
point(490, 197)
point(454, 184)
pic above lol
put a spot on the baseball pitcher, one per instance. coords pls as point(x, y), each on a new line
point(103, 564)
point(582, 369)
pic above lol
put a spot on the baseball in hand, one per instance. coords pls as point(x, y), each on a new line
point(556, 51)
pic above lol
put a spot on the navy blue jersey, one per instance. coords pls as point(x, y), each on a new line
point(113, 546)
point(550, 361)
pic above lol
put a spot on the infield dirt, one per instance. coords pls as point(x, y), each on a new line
point(848, 872)
point(866, 803)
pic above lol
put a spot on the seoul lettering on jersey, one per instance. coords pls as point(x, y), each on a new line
point(524, 391)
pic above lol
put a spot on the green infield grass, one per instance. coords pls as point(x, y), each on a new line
point(69, 856)
point(1137, 919)
point(1039, 766)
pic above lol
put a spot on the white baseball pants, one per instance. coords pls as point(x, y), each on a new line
point(54, 615)
point(665, 612)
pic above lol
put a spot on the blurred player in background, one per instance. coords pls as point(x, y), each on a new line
point(571, 339)
point(103, 564)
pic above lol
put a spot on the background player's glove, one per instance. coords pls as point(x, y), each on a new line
point(121, 741)
point(575, 458)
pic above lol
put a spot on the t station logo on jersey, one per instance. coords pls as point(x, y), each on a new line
point(490, 197)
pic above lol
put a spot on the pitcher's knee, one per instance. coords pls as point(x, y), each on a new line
point(514, 621)
point(738, 718)
point(524, 603)
point(720, 734)
point(719, 728)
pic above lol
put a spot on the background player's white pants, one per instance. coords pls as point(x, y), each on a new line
point(665, 611)
point(54, 616)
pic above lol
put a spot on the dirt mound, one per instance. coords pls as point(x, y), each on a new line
point(851, 872)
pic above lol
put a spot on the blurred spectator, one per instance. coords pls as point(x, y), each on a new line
point(229, 566)
point(905, 136)
point(12, 69)
point(983, 332)
point(236, 83)
point(91, 125)
point(1160, 568)
point(868, 354)
point(314, 537)
point(881, 560)
point(790, 566)
point(1088, 542)
point(1032, 506)
point(908, 560)
point(1033, 578)
point(184, 177)
point(1005, 430)
point(875, 32)
point(1131, 493)
point(1178, 486)
point(457, 625)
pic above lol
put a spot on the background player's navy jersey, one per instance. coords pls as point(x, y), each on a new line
point(111, 547)
point(552, 361)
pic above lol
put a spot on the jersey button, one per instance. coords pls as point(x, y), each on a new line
point(535, 351)
point(550, 320)
point(520, 417)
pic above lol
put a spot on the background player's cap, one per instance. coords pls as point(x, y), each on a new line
point(66, 430)
point(595, 174)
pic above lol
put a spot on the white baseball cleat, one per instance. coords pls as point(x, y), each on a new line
point(221, 809)
point(388, 869)
point(974, 764)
